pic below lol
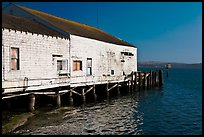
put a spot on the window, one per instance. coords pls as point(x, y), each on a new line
point(112, 72)
point(127, 53)
point(62, 64)
point(59, 65)
point(77, 65)
point(14, 58)
point(89, 66)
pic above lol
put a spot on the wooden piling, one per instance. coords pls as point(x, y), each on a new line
point(118, 89)
point(144, 81)
point(83, 96)
point(135, 81)
point(131, 80)
point(71, 101)
point(129, 88)
point(94, 93)
point(58, 100)
point(148, 81)
point(155, 78)
point(107, 91)
point(32, 103)
point(160, 77)
point(140, 80)
point(150, 78)
point(153, 82)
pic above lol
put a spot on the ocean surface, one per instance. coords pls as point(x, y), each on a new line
point(173, 109)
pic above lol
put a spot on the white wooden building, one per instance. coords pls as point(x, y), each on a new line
point(42, 51)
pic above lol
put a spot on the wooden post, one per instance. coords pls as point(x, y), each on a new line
point(155, 78)
point(107, 92)
point(58, 100)
point(129, 86)
point(148, 81)
point(32, 103)
point(94, 93)
point(135, 81)
point(132, 81)
point(140, 81)
point(70, 99)
point(160, 77)
point(150, 78)
point(144, 81)
point(83, 96)
point(118, 89)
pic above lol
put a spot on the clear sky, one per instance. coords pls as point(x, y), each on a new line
point(162, 31)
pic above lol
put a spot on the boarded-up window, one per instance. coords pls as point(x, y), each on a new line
point(77, 65)
point(89, 66)
point(14, 59)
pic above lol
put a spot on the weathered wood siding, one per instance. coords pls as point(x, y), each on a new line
point(105, 57)
point(36, 60)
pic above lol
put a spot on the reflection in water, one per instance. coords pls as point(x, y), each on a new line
point(114, 116)
point(175, 108)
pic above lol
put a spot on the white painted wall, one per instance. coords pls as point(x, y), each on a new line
point(37, 63)
point(35, 53)
point(105, 57)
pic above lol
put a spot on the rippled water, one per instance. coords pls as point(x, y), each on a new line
point(175, 108)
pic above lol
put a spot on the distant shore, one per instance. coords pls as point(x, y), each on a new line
point(154, 64)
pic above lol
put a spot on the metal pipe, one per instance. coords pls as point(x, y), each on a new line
point(70, 56)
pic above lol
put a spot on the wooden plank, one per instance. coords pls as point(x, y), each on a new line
point(11, 96)
point(88, 90)
point(160, 77)
point(75, 92)
point(112, 87)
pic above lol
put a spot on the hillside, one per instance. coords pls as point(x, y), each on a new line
point(156, 64)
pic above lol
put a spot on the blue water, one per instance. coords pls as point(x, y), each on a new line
point(176, 108)
point(173, 109)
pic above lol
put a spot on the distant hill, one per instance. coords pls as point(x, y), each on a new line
point(157, 64)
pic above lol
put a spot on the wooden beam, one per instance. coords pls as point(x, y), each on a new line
point(112, 87)
point(88, 90)
point(11, 96)
point(75, 92)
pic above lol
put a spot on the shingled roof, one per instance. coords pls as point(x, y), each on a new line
point(27, 25)
point(75, 28)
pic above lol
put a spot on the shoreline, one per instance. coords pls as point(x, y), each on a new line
point(15, 121)
point(19, 119)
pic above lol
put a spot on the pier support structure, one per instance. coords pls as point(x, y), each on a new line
point(83, 96)
point(94, 93)
point(32, 103)
point(160, 78)
point(71, 101)
point(118, 89)
point(58, 99)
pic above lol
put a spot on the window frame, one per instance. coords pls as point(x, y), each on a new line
point(63, 64)
point(15, 58)
point(89, 66)
point(77, 65)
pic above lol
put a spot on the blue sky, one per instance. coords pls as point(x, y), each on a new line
point(162, 31)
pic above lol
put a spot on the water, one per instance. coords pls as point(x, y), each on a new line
point(174, 109)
